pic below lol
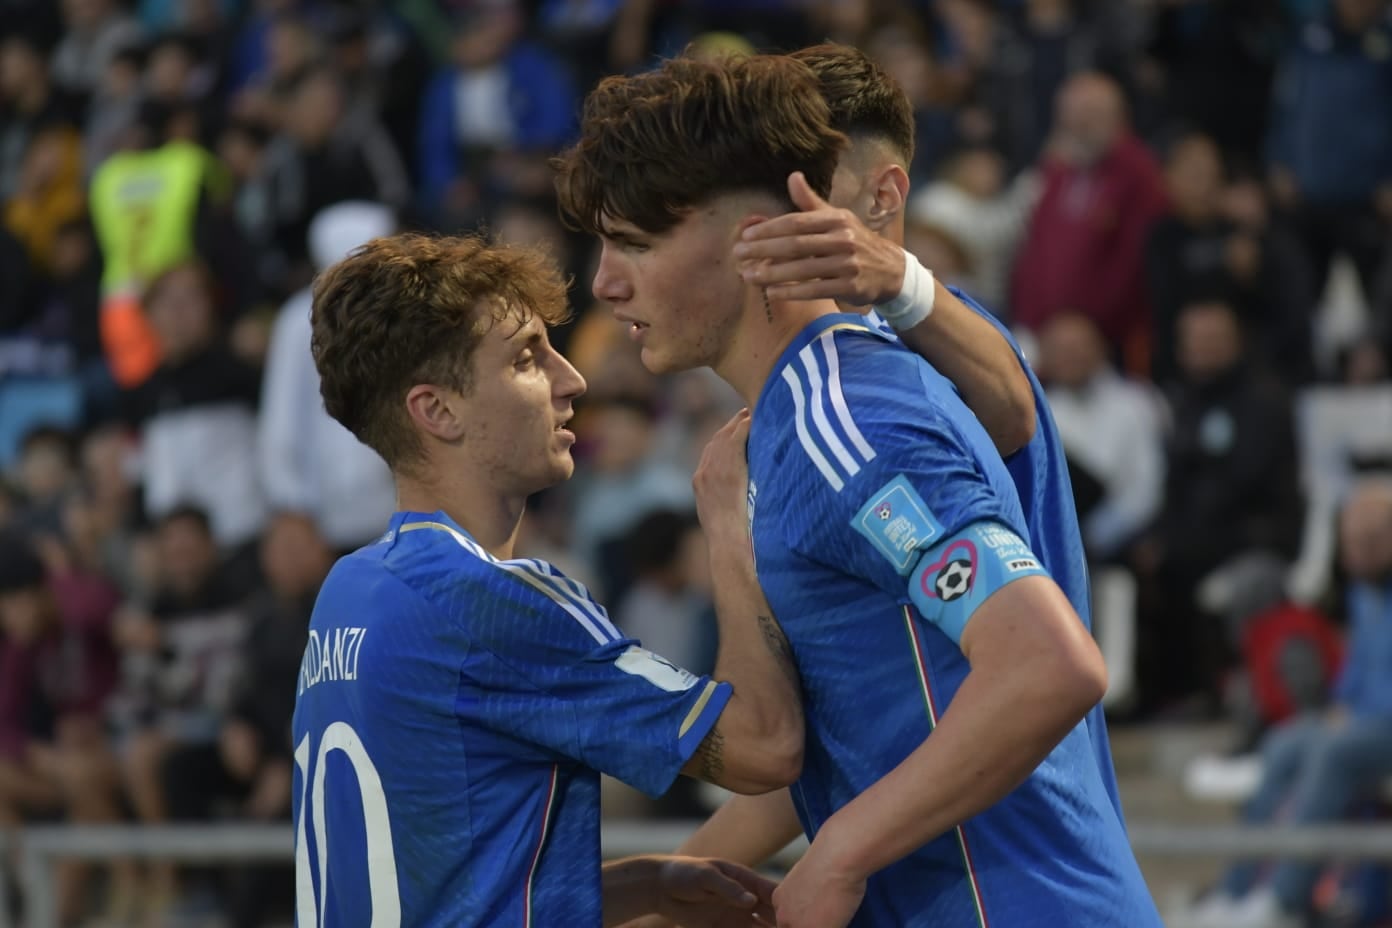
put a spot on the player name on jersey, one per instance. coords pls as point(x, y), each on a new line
point(331, 658)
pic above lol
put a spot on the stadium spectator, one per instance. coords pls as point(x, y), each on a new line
point(1214, 63)
point(1231, 488)
point(179, 658)
point(320, 157)
point(46, 471)
point(156, 203)
point(1333, 172)
point(620, 481)
point(197, 412)
point(905, 56)
point(973, 201)
point(1316, 766)
point(503, 97)
point(96, 30)
point(668, 607)
point(1085, 245)
point(1218, 240)
point(114, 109)
point(57, 670)
point(1112, 432)
point(29, 102)
point(1032, 54)
point(252, 765)
point(307, 462)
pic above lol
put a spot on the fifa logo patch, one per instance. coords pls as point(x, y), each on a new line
point(884, 511)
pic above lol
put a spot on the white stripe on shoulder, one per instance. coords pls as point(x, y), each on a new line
point(598, 626)
point(804, 436)
point(838, 398)
point(575, 590)
point(817, 400)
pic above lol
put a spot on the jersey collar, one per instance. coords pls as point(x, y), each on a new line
point(804, 338)
point(438, 519)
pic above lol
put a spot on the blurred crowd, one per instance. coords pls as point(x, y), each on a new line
point(1182, 206)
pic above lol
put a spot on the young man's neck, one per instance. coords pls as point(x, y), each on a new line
point(491, 519)
point(762, 334)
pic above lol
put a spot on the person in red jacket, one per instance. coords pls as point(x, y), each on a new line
point(1085, 246)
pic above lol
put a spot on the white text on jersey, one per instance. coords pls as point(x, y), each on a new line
point(332, 657)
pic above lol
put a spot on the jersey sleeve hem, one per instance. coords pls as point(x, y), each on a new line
point(704, 713)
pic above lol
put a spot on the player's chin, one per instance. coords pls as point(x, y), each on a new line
point(658, 361)
point(562, 467)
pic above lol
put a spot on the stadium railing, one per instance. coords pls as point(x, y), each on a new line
point(40, 847)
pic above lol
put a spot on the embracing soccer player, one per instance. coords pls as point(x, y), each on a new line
point(948, 779)
point(456, 703)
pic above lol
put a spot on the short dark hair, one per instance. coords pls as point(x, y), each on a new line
point(409, 309)
point(654, 145)
point(187, 512)
point(864, 100)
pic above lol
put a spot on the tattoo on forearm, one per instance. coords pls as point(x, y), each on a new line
point(778, 646)
point(712, 755)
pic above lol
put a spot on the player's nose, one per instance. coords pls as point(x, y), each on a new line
point(609, 283)
point(567, 383)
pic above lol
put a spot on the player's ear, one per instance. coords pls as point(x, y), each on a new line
point(433, 412)
point(889, 190)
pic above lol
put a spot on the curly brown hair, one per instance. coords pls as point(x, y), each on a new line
point(410, 309)
point(864, 100)
point(654, 145)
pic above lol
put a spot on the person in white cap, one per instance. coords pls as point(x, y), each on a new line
point(308, 462)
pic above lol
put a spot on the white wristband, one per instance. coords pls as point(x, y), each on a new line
point(915, 301)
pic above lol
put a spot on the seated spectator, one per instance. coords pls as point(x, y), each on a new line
point(47, 473)
point(1112, 434)
point(57, 669)
point(179, 660)
point(1231, 489)
point(251, 763)
point(197, 412)
point(1317, 766)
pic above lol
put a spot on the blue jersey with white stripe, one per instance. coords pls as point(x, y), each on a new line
point(1040, 473)
point(882, 516)
point(452, 716)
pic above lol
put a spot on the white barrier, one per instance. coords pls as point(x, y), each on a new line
point(41, 846)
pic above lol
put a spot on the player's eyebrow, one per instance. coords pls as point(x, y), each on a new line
point(530, 339)
point(625, 233)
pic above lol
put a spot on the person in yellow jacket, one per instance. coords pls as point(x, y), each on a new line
point(145, 203)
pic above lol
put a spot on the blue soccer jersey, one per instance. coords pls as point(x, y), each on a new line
point(1040, 474)
point(882, 516)
point(453, 713)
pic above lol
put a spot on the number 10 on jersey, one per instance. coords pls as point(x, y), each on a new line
point(381, 860)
